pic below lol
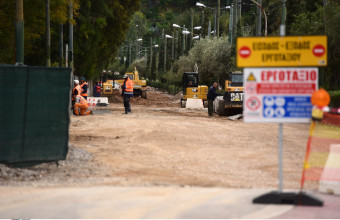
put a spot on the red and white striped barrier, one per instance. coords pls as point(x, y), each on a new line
point(92, 101)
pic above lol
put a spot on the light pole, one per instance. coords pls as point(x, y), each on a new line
point(165, 47)
point(214, 11)
point(265, 16)
point(283, 19)
point(184, 32)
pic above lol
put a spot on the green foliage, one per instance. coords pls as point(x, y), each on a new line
point(35, 29)
point(212, 57)
point(323, 21)
point(100, 30)
point(335, 98)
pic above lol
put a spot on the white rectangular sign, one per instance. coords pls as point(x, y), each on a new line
point(279, 94)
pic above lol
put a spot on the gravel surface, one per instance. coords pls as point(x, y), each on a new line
point(161, 144)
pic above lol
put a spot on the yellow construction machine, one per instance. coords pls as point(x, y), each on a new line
point(108, 83)
point(139, 87)
point(192, 89)
point(232, 102)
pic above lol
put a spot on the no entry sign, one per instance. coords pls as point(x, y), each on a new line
point(282, 51)
point(279, 94)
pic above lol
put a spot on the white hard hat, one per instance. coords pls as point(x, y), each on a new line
point(76, 81)
point(125, 76)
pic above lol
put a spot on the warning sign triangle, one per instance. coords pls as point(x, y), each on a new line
point(251, 78)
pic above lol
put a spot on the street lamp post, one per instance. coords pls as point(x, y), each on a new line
point(165, 49)
point(264, 13)
point(214, 11)
point(184, 32)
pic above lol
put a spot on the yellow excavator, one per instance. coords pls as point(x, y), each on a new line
point(139, 87)
point(108, 84)
point(232, 102)
point(192, 89)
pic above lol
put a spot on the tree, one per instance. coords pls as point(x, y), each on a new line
point(100, 30)
point(212, 57)
point(35, 28)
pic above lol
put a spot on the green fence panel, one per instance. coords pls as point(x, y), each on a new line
point(34, 113)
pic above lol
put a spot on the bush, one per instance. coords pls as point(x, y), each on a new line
point(335, 98)
point(171, 89)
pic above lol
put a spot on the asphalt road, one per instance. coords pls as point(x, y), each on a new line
point(151, 202)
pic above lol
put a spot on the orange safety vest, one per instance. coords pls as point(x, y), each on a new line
point(77, 87)
point(83, 94)
point(82, 100)
point(129, 86)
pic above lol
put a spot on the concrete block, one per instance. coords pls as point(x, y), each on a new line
point(194, 104)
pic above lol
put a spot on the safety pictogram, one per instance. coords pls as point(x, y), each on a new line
point(251, 78)
point(253, 103)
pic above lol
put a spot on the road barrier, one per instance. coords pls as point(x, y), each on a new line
point(322, 161)
point(93, 101)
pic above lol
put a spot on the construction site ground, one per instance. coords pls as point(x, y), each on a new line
point(159, 150)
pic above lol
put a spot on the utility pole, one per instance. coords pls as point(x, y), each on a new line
point(184, 40)
point(258, 20)
point(173, 47)
point(209, 29)
point(129, 53)
point(48, 34)
point(283, 19)
point(19, 32)
point(61, 44)
point(234, 28)
point(165, 46)
point(70, 57)
point(176, 51)
point(231, 24)
point(151, 54)
point(192, 27)
point(215, 22)
point(218, 16)
point(202, 18)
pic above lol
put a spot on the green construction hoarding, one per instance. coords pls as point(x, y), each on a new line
point(34, 113)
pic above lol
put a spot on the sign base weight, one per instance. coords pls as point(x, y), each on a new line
point(288, 198)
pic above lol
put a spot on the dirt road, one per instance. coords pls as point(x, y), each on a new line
point(161, 144)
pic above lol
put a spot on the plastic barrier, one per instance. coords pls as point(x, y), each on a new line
point(322, 162)
point(92, 101)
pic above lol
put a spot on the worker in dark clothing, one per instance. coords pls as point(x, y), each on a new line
point(127, 93)
point(96, 90)
point(211, 97)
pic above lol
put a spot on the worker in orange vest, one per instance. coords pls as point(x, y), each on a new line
point(127, 93)
point(83, 86)
point(81, 106)
point(76, 91)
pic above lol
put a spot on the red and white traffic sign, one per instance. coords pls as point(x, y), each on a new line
point(279, 94)
point(245, 52)
point(319, 50)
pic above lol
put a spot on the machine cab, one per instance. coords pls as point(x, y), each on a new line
point(189, 80)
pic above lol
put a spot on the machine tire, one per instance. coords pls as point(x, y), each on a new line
point(183, 103)
point(221, 111)
point(205, 103)
point(144, 95)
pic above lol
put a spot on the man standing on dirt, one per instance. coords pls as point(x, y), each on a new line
point(127, 93)
point(211, 97)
